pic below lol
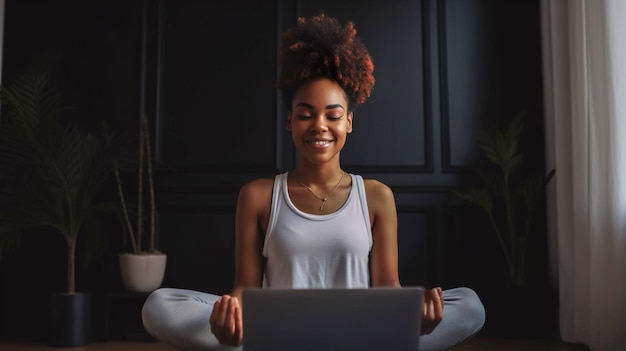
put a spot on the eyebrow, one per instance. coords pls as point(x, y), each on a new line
point(329, 107)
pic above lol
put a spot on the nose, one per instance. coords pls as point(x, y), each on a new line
point(318, 124)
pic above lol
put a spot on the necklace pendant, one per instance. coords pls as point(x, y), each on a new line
point(323, 202)
point(314, 194)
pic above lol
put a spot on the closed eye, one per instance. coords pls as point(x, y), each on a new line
point(332, 118)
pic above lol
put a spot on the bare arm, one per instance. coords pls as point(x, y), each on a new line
point(384, 255)
point(253, 205)
point(384, 219)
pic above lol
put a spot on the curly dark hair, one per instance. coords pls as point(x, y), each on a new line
point(321, 47)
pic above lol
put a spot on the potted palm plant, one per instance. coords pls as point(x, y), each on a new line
point(52, 175)
point(143, 268)
point(509, 198)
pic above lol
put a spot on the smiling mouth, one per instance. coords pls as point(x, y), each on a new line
point(320, 142)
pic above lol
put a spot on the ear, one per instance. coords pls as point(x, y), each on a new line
point(289, 121)
point(350, 116)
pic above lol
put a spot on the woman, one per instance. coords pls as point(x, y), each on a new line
point(315, 226)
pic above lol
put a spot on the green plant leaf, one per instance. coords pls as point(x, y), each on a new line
point(533, 188)
point(512, 136)
point(513, 163)
point(515, 127)
point(486, 141)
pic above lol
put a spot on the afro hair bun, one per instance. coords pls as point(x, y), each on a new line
point(321, 46)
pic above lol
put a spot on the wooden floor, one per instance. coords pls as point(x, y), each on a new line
point(479, 343)
point(483, 343)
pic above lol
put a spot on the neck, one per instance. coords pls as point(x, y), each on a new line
point(323, 176)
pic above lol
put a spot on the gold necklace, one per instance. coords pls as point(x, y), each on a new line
point(313, 192)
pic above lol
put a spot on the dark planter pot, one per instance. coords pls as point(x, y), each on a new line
point(70, 319)
point(520, 312)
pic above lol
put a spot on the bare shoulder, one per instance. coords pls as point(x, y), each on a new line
point(380, 198)
point(255, 202)
point(257, 186)
point(257, 190)
point(377, 191)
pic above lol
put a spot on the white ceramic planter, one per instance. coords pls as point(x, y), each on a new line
point(142, 273)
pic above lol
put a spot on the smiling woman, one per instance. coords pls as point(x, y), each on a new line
point(286, 238)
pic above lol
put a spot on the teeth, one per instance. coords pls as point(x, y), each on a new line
point(320, 142)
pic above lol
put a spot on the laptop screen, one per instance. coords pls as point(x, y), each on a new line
point(332, 319)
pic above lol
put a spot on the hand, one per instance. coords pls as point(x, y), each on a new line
point(433, 309)
point(226, 321)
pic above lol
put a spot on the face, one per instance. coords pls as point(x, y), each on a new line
point(319, 120)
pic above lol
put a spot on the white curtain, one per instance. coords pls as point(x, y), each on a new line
point(584, 59)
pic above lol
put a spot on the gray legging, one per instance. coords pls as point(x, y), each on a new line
point(180, 318)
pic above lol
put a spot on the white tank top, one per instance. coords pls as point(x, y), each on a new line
point(304, 250)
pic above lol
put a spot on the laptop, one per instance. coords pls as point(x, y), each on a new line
point(332, 319)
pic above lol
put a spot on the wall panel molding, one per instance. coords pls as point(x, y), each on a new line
point(446, 165)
